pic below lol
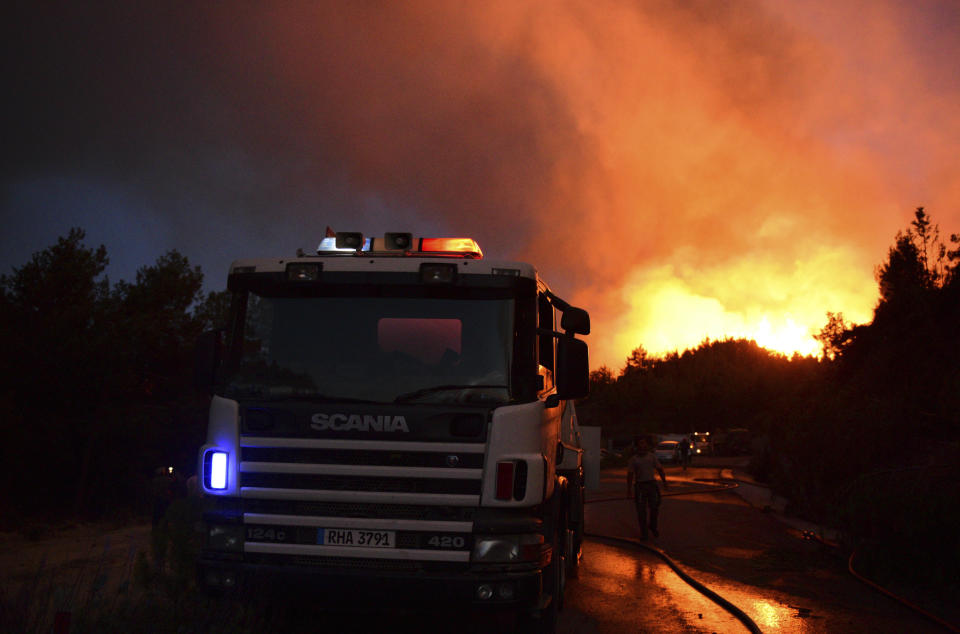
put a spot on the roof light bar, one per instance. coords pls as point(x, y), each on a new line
point(457, 247)
point(399, 244)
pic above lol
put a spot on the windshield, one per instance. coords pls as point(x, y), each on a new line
point(668, 445)
point(376, 349)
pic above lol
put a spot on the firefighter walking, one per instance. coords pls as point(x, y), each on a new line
point(642, 485)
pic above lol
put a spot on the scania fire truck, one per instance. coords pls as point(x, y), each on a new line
point(393, 417)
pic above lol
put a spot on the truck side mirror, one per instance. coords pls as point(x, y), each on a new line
point(575, 321)
point(573, 368)
point(208, 352)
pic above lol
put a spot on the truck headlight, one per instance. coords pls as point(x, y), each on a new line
point(225, 537)
point(508, 548)
point(497, 549)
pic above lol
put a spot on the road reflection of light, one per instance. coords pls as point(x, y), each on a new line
point(768, 614)
point(629, 581)
point(618, 569)
point(614, 572)
point(696, 609)
point(738, 553)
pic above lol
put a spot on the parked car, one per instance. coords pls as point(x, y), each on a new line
point(667, 451)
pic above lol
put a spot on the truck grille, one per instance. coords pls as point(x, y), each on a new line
point(360, 457)
point(373, 511)
point(352, 483)
point(426, 493)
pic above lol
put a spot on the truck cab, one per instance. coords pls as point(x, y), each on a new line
point(395, 416)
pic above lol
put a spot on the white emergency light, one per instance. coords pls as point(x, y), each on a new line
point(399, 244)
point(218, 470)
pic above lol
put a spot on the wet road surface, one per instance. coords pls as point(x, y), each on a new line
point(781, 581)
point(625, 590)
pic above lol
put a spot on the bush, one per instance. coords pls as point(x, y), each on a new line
point(904, 523)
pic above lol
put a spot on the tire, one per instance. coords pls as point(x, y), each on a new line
point(573, 560)
point(573, 553)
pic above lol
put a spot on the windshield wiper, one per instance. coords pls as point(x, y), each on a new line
point(409, 396)
point(325, 398)
point(266, 395)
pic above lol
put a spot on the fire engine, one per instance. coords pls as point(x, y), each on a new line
point(394, 417)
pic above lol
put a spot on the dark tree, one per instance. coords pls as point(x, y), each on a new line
point(601, 378)
point(96, 382)
point(834, 336)
point(213, 311)
point(638, 361)
point(53, 311)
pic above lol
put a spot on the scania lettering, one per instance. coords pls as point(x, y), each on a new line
point(395, 417)
point(341, 422)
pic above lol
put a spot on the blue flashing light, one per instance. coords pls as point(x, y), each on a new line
point(218, 470)
point(329, 245)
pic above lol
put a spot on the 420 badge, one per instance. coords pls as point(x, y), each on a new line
point(354, 537)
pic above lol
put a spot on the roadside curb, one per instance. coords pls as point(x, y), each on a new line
point(762, 497)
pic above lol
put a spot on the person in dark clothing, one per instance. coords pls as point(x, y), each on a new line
point(164, 490)
point(643, 487)
point(685, 449)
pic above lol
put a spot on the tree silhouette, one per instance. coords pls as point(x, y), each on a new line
point(98, 379)
point(53, 309)
point(834, 336)
point(638, 361)
point(601, 378)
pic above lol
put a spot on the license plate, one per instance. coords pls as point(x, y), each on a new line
point(355, 537)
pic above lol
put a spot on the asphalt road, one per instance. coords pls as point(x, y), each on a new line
point(782, 581)
point(625, 590)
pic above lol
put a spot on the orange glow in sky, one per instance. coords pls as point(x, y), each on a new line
point(674, 307)
point(682, 169)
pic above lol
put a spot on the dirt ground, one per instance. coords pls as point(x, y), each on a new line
point(61, 570)
point(74, 548)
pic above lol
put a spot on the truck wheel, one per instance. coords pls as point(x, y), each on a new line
point(554, 579)
point(573, 553)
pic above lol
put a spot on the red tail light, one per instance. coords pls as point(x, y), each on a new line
point(505, 480)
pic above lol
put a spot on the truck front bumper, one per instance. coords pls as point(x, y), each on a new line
point(496, 590)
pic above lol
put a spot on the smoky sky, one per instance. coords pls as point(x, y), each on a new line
point(681, 169)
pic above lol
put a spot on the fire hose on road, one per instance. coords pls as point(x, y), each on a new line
point(724, 484)
point(696, 585)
